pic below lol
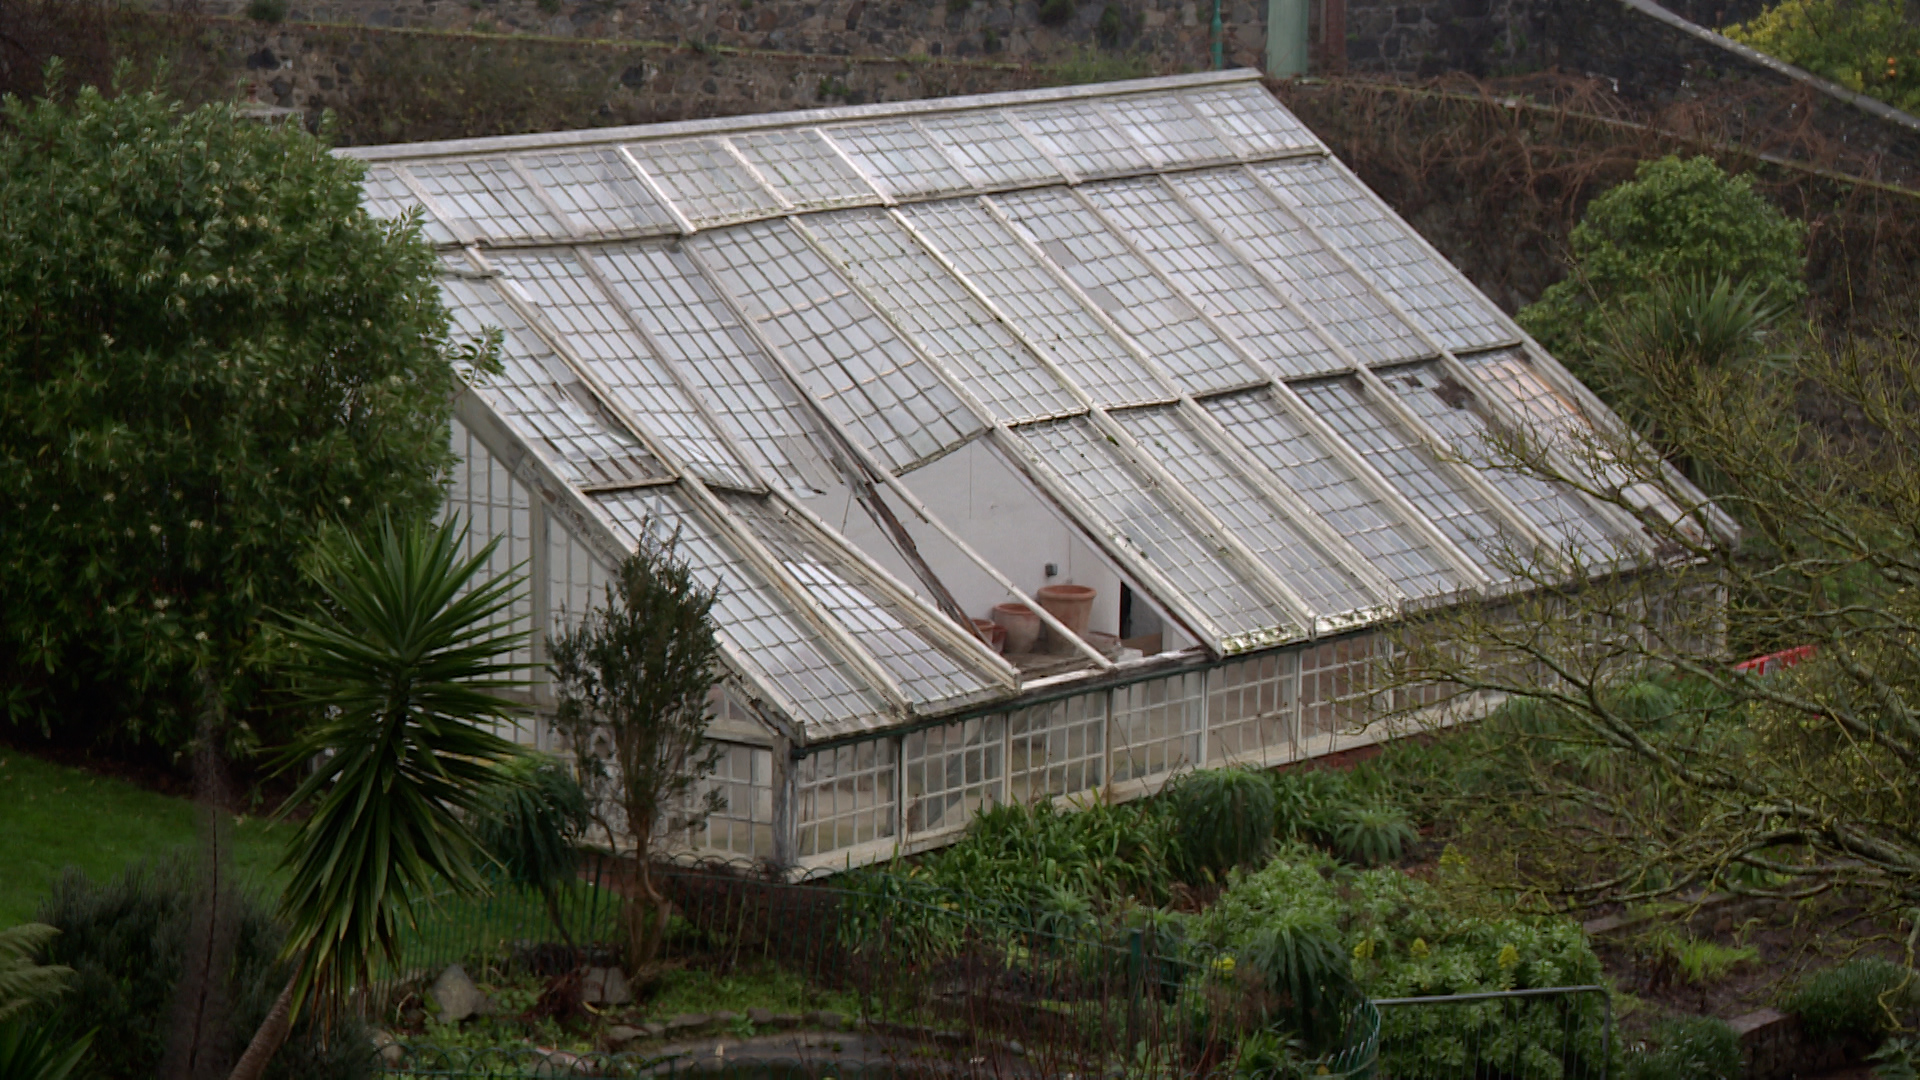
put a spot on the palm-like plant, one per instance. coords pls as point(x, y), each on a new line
point(404, 666)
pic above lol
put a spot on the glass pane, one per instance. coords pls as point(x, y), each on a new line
point(707, 184)
point(490, 199)
point(385, 195)
point(1079, 137)
point(899, 157)
point(1253, 119)
point(599, 191)
point(1163, 126)
point(805, 169)
point(990, 149)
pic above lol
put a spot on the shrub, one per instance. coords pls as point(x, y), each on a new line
point(1055, 12)
point(1222, 818)
point(1868, 46)
point(267, 11)
point(126, 939)
point(1373, 835)
point(1860, 999)
point(1676, 220)
point(1689, 1048)
point(1298, 960)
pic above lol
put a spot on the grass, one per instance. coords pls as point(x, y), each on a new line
point(690, 990)
point(53, 817)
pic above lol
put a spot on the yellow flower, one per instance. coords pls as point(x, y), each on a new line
point(1418, 950)
point(1364, 950)
point(1223, 965)
point(1509, 958)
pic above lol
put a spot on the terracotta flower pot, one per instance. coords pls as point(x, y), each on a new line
point(992, 633)
point(1021, 624)
point(1071, 604)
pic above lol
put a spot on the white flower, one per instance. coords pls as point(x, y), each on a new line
point(201, 636)
point(108, 496)
point(154, 529)
point(194, 524)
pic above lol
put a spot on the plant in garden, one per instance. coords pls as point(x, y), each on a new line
point(404, 667)
point(1298, 960)
point(1222, 818)
point(1689, 1048)
point(1678, 220)
point(1868, 46)
point(210, 357)
point(128, 938)
point(530, 827)
point(28, 1050)
point(1373, 835)
point(1865, 998)
point(632, 682)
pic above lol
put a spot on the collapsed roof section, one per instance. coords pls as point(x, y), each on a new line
point(1157, 314)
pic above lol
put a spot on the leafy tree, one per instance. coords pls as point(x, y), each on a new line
point(1677, 220)
point(632, 683)
point(1868, 46)
point(210, 356)
point(406, 663)
point(1787, 782)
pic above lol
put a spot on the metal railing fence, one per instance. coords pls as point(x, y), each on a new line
point(1552, 1033)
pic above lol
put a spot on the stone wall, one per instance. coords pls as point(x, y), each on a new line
point(1166, 35)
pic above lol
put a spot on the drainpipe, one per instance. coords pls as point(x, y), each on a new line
point(1219, 32)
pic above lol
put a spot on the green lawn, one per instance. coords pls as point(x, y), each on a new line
point(52, 817)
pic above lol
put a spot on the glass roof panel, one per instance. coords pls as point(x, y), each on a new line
point(850, 360)
point(592, 326)
point(542, 398)
point(1411, 467)
point(1148, 521)
point(1510, 377)
point(1325, 289)
point(1213, 277)
point(944, 319)
point(1251, 116)
point(1313, 574)
point(756, 620)
point(385, 195)
point(990, 148)
point(805, 168)
point(1126, 288)
point(1282, 444)
point(1450, 409)
point(489, 198)
point(899, 157)
point(662, 288)
point(707, 183)
point(597, 189)
point(1389, 253)
point(1165, 128)
point(997, 264)
point(1079, 137)
point(926, 671)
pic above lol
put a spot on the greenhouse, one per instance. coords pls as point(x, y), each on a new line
point(1040, 445)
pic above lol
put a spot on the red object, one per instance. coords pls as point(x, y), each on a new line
point(1772, 662)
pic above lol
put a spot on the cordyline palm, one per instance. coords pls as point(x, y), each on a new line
point(404, 665)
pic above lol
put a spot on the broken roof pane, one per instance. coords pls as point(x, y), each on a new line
point(1020, 286)
point(765, 633)
point(1411, 467)
point(542, 398)
point(597, 332)
point(1315, 576)
point(805, 168)
point(598, 189)
point(1136, 514)
point(385, 195)
point(948, 324)
point(898, 156)
point(683, 314)
point(848, 358)
point(924, 668)
point(1215, 278)
point(1126, 288)
point(1450, 409)
point(488, 199)
point(1389, 253)
point(990, 149)
point(1250, 117)
point(1284, 446)
point(705, 182)
point(1079, 137)
point(1326, 289)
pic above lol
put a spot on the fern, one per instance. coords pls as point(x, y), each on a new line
point(24, 982)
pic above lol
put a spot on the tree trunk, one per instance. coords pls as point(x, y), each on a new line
point(647, 913)
point(266, 1041)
